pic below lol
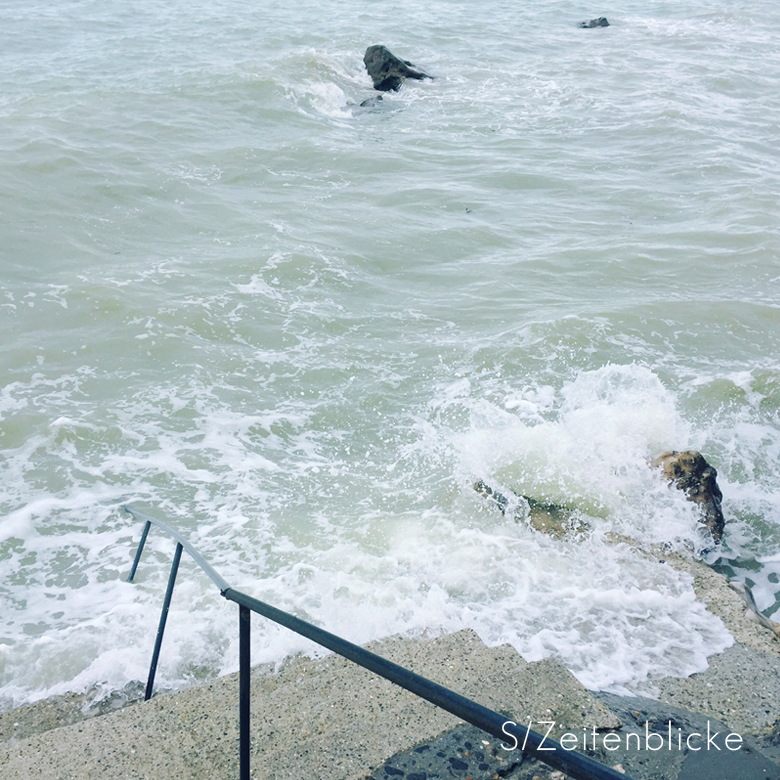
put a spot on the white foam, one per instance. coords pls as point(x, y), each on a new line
point(591, 450)
point(613, 618)
point(281, 511)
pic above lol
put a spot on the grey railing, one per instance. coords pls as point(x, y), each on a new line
point(574, 764)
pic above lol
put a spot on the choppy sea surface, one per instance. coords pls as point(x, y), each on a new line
point(299, 330)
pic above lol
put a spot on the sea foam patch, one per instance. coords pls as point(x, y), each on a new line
point(615, 618)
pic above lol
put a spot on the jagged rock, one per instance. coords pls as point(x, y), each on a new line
point(388, 72)
point(600, 22)
point(691, 473)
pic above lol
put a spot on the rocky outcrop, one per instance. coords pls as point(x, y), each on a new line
point(387, 71)
point(600, 22)
point(687, 470)
point(691, 473)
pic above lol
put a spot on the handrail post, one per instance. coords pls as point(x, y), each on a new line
point(163, 618)
point(244, 624)
point(139, 550)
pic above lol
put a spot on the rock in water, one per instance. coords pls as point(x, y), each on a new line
point(388, 72)
point(552, 519)
point(697, 479)
point(600, 22)
point(371, 102)
point(688, 470)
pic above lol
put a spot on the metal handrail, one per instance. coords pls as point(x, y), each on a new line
point(571, 763)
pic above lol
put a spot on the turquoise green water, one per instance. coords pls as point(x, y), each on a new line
point(300, 330)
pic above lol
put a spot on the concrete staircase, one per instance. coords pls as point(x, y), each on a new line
point(312, 719)
point(330, 719)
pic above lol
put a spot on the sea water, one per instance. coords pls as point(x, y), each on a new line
point(299, 329)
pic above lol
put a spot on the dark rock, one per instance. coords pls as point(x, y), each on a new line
point(691, 473)
point(600, 22)
point(388, 72)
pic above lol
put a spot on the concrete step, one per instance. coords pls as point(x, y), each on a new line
point(324, 718)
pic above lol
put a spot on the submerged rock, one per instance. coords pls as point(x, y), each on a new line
point(600, 22)
point(373, 102)
point(370, 105)
point(552, 519)
point(687, 470)
point(387, 71)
